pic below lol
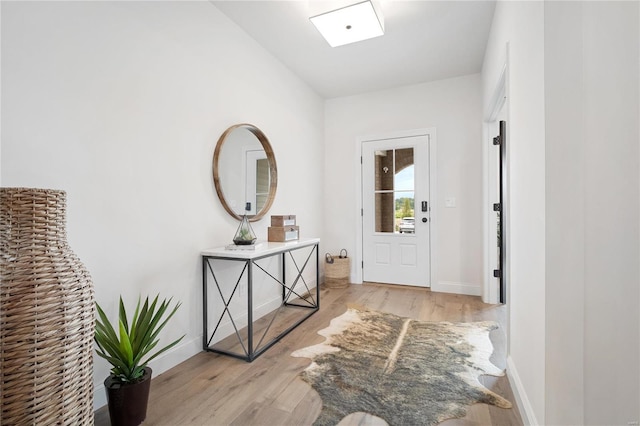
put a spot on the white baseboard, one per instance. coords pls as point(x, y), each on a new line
point(457, 288)
point(522, 401)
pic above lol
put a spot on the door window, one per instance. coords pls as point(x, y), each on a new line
point(394, 191)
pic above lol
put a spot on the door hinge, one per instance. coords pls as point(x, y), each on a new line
point(361, 212)
point(497, 140)
point(497, 207)
point(496, 273)
point(361, 159)
point(362, 264)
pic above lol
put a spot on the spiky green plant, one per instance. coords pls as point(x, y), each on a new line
point(136, 338)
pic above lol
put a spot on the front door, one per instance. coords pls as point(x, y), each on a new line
point(396, 211)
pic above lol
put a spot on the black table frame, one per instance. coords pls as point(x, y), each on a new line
point(251, 352)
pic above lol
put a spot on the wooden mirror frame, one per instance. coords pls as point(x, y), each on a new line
point(273, 170)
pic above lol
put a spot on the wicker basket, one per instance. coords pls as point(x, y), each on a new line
point(337, 269)
point(46, 314)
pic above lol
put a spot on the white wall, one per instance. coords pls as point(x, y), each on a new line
point(0, 97)
point(573, 132)
point(593, 240)
point(565, 195)
point(453, 108)
point(518, 28)
point(612, 278)
point(121, 105)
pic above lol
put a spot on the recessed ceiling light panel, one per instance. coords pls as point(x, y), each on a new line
point(350, 24)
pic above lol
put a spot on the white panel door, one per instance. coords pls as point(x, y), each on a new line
point(396, 206)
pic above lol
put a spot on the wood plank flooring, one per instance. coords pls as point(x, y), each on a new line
point(212, 389)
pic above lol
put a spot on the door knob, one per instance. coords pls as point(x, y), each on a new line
point(424, 220)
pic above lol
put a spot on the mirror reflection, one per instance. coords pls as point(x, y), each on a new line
point(244, 171)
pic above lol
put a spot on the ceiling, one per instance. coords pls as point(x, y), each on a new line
point(424, 41)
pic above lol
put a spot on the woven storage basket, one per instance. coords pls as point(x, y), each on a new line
point(336, 274)
point(46, 314)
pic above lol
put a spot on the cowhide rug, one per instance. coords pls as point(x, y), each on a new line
point(406, 372)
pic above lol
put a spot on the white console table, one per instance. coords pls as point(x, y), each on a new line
point(295, 293)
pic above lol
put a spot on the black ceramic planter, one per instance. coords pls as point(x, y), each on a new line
point(128, 402)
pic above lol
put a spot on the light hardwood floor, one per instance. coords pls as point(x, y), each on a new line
point(212, 389)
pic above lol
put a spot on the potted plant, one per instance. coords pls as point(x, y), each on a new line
point(129, 351)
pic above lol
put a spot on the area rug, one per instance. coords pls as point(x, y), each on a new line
point(404, 371)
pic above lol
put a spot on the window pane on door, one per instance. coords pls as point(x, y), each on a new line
point(405, 218)
point(385, 208)
point(384, 170)
point(403, 170)
point(394, 190)
point(404, 191)
point(262, 183)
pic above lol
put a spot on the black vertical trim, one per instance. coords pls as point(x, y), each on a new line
point(250, 309)
point(205, 319)
point(503, 184)
point(284, 276)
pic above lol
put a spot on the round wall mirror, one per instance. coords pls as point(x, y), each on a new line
point(245, 172)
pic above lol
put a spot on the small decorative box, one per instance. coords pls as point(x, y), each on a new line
point(283, 233)
point(283, 220)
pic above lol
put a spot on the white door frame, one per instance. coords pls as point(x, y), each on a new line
point(433, 195)
point(490, 286)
